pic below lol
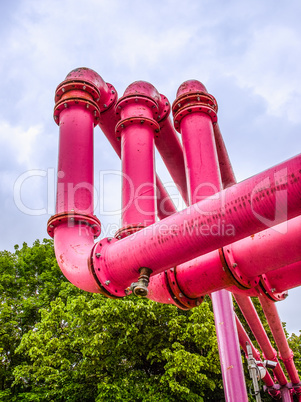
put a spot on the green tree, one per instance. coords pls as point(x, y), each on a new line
point(92, 348)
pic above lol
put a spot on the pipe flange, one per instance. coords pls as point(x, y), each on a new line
point(242, 281)
point(164, 109)
point(269, 291)
point(183, 302)
point(74, 218)
point(100, 270)
point(138, 99)
point(106, 104)
point(77, 84)
point(196, 108)
point(194, 98)
point(77, 101)
point(142, 121)
point(128, 230)
point(194, 102)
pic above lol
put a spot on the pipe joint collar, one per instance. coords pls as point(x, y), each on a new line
point(83, 221)
point(270, 291)
point(180, 299)
point(164, 109)
point(232, 268)
point(192, 102)
point(101, 271)
point(142, 122)
point(128, 230)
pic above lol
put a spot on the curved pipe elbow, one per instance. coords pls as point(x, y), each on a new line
point(72, 246)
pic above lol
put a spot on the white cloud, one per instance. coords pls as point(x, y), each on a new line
point(19, 142)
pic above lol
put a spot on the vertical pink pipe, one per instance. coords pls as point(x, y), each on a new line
point(138, 109)
point(75, 166)
point(74, 226)
point(170, 149)
point(203, 177)
point(108, 121)
point(286, 353)
point(247, 308)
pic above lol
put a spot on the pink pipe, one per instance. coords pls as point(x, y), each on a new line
point(275, 249)
point(184, 231)
point(227, 174)
point(275, 324)
point(285, 278)
point(108, 122)
point(74, 226)
point(247, 308)
point(243, 339)
point(137, 127)
point(75, 166)
point(231, 364)
point(204, 179)
point(170, 149)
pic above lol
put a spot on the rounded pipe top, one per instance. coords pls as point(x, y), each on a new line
point(191, 86)
point(139, 88)
point(86, 74)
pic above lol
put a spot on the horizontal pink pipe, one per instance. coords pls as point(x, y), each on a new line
point(75, 165)
point(155, 245)
point(170, 149)
point(247, 308)
point(275, 324)
point(285, 278)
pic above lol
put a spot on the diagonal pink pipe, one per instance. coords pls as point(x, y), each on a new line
point(286, 353)
point(253, 320)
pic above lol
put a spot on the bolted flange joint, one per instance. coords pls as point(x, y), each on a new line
point(77, 92)
point(240, 280)
point(72, 218)
point(84, 87)
point(139, 105)
point(269, 291)
point(180, 299)
point(100, 270)
point(192, 97)
point(128, 230)
point(139, 288)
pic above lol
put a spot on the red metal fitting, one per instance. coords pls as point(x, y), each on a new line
point(180, 299)
point(140, 103)
point(269, 291)
point(231, 267)
point(192, 96)
point(73, 218)
point(137, 120)
point(101, 272)
point(128, 230)
point(84, 87)
point(164, 108)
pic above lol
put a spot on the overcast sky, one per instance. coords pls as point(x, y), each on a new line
point(247, 53)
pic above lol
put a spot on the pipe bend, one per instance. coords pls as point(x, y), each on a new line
point(143, 88)
point(72, 246)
